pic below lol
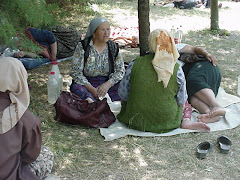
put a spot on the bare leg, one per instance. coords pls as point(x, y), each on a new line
point(199, 105)
point(188, 124)
point(208, 97)
point(206, 118)
point(213, 116)
point(205, 101)
point(217, 111)
point(186, 120)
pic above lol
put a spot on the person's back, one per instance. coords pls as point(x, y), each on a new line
point(20, 130)
point(25, 133)
point(152, 100)
point(42, 36)
point(149, 104)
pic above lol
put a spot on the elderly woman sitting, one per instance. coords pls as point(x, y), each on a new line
point(154, 90)
point(97, 66)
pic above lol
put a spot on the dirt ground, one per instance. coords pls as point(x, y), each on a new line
point(82, 154)
point(228, 18)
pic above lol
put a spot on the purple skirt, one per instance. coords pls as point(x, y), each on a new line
point(83, 93)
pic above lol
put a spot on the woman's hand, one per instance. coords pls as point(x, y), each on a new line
point(212, 59)
point(103, 89)
point(92, 90)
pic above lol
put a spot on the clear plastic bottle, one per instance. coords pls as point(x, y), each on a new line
point(58, 75)
point(173, 32)
point(238, 92)
point(176, 36)
point(52, 88)
point(180, 34)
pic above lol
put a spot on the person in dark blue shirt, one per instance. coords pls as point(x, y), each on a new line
point(42, 38)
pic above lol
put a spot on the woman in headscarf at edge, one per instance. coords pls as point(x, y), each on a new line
point(153, 90)
point(93, 79)
point(20, 129)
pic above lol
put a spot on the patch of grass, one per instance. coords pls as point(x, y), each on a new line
point(219, 32)
point(224, 48)
point(82, 154)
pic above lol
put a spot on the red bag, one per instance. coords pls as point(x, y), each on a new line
point(71, 109)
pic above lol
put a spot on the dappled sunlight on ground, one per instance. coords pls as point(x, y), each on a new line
point(123, 18)
point(82, 153)
point(228, 19)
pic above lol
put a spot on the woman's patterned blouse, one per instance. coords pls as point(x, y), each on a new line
point(96, 65)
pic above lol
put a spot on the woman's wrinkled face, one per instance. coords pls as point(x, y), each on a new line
point(102, 33)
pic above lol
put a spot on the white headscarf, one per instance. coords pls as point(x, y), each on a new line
point(94, 25)
point(162, 44)
point(13, 78)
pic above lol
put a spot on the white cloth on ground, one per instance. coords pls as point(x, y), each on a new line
point(231, 120)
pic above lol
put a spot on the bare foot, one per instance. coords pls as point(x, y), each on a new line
point(206, 118)
point(217, 111)
point(201, 126)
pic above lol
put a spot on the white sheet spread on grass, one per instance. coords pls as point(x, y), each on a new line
point(231, 120)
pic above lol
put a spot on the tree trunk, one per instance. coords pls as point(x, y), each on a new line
point(144, 25)
point(214, 14)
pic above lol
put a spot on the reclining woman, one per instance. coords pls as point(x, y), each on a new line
point(154, 90)
point(97, 65)
point(44, 39)
point(203, 78)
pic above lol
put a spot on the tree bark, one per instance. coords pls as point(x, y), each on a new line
point(144, 25)
point(214, 14)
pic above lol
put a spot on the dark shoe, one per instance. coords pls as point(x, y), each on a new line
point(224, 144)
point(203, 149)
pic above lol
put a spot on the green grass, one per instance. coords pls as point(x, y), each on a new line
point(82, 154)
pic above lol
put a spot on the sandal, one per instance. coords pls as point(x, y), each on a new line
point(203, 149)
point(224, 144)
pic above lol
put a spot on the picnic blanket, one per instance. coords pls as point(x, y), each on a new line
point(231, 120)
point(124, 36)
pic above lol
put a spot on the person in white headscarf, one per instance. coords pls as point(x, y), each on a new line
point(20, 130)
point(154, 90)
point(97, 65)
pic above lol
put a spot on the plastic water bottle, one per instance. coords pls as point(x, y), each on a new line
point(180, 34)
point(52, 88)
point(58, 75)
point(173, 32)
point(176, 36)
point(238, 92)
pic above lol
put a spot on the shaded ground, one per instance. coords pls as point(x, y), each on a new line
point(81, 153)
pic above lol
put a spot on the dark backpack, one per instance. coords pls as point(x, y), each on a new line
point(67, 40)
point(113, 50)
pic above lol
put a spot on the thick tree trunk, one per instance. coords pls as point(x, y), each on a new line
point(144, 25)
point(214, 15)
